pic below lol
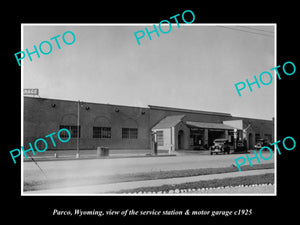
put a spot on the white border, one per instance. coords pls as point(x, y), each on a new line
point(275, 108)
point(22, 114)
point(151, 24)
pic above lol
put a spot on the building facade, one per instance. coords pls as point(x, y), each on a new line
point(126, 127)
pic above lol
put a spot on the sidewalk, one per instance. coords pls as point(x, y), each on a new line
point(115, 187)
point(55, 155)
point(51, 155)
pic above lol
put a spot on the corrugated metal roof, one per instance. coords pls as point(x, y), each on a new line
point(209, 125)
point(169, 121)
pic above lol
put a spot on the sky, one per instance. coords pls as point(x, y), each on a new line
point(192, 67)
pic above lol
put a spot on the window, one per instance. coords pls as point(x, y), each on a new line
point(129, 133)
point(160, 138)
point(72, 129)
point(101, 132)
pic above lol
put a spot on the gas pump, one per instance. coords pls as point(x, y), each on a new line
point(154, 140)
point(235, 138)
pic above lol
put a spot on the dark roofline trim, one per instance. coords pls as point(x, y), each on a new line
point(95, 103)
point(188, 110)
point(248, 118)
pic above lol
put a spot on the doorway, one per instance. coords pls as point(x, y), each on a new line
point(215, 134)
point(180, 139)
point(250, 141)
point(196, 138)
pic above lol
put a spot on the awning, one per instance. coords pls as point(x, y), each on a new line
point(209, 125)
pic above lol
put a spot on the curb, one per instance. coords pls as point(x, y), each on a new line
point(52, 158)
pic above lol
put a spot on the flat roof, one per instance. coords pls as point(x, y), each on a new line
point(87, 102)
point(188, 110)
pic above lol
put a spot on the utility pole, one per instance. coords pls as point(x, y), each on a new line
point(78, 115)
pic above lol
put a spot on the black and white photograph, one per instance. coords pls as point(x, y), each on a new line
point(112, 109)
point(144, 113)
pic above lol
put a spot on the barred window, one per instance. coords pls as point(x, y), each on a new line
point(129, 133)
point(101, 132)
point(72, 129)
point(160, 138)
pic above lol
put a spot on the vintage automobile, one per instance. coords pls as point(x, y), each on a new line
point(261, 143)
point(220, 146)
point(240, 146)
point(258, 145)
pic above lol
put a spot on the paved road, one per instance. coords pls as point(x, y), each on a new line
point(97, 167)
point(84, 170)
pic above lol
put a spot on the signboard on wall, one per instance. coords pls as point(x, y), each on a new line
point(31, 91)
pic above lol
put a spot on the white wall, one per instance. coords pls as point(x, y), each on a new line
point(238, 124)
point(167, 138)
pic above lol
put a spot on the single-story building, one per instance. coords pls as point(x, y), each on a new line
point(128, 127)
